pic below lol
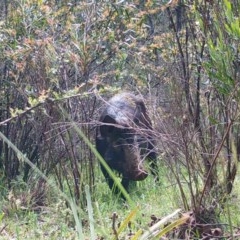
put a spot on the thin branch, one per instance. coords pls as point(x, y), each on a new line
point(27, 110)
point(214, 161)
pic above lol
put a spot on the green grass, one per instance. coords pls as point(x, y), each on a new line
point(56, 221)
point(231, 213)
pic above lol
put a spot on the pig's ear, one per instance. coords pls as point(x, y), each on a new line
point(106, 129)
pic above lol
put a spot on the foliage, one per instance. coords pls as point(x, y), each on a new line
point(59, 60)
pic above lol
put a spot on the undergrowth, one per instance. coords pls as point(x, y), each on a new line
point(55, 220)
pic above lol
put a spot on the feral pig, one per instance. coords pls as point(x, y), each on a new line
point(124, 138)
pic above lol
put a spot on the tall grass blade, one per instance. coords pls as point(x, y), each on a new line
point(90, 213)
point(103, 162)
point(23, 158)
point(137, 235)
point(126, 221)
point(77, 220)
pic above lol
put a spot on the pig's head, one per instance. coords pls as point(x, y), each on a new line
point(123, 153)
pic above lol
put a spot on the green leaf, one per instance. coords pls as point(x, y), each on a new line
point(228, 5)
point(1, 216)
